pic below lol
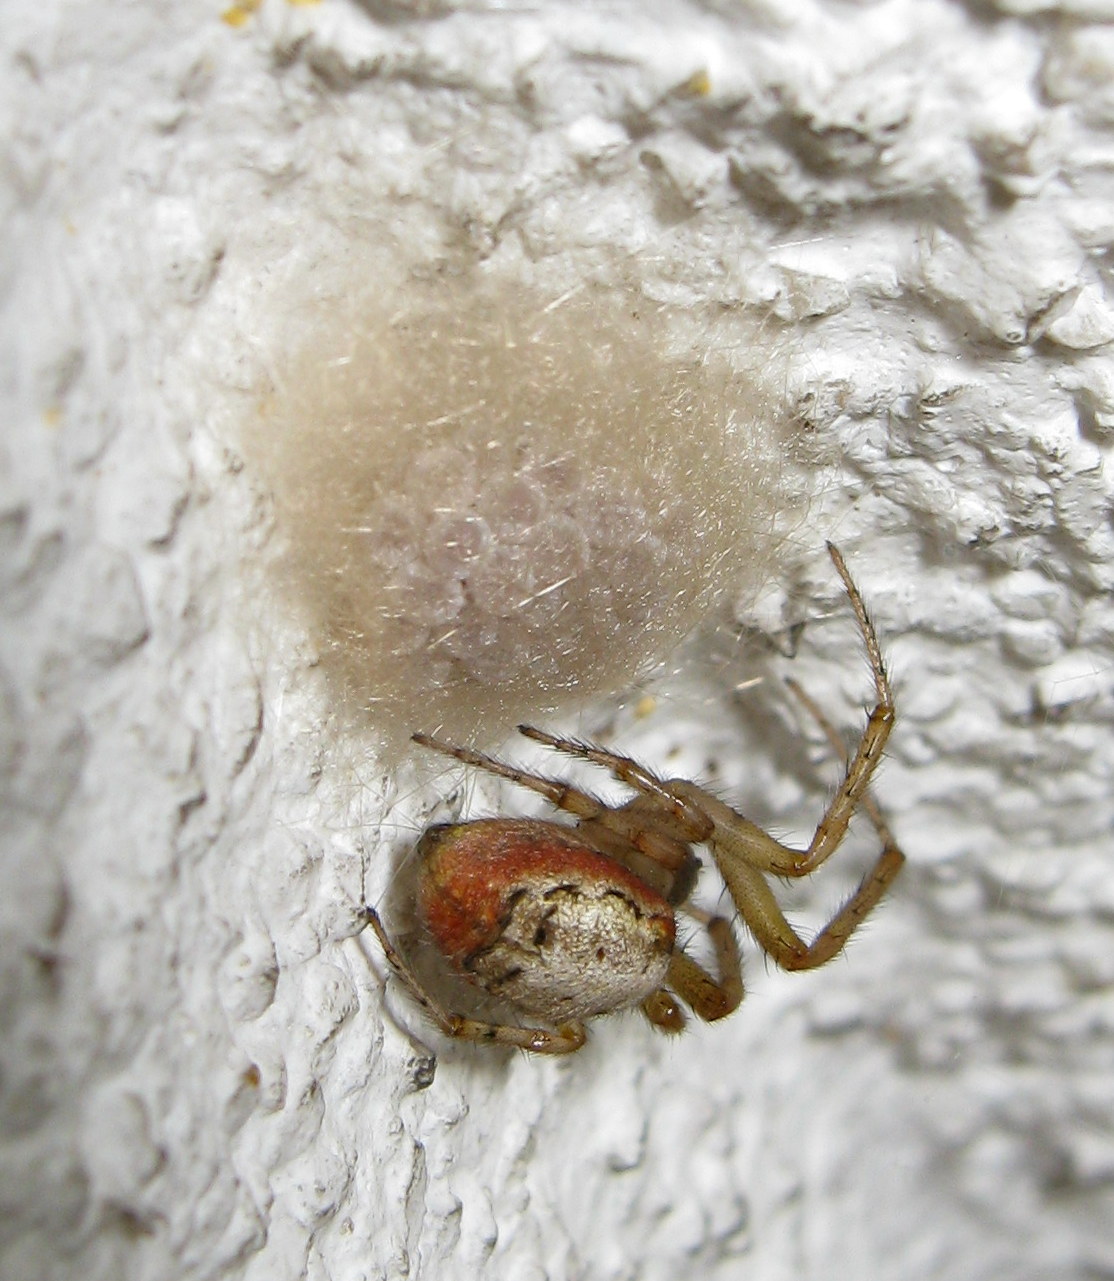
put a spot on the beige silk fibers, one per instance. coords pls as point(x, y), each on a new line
point(494, 505)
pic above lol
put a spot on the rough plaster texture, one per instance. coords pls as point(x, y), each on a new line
point(201, 1074)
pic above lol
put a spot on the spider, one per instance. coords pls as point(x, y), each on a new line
point(565, 923)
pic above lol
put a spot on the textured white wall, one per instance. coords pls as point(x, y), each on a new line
point(201, 1076)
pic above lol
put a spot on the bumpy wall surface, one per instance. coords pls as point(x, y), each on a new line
point(204, 1070)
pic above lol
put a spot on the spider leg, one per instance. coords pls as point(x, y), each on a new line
point(710, 998)
point(745, 854)
point(658, 822)
point(867, 801)
point(614, 830)
point(664, 1011)
point(833, 825)
point(568, 1037)
point(691, 820)
point(563, 795)
point(777, 938)
point(737, 838)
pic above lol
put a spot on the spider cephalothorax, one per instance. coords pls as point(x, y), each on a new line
point(564, 923)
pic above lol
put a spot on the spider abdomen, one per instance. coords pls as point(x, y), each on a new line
point(538, 917)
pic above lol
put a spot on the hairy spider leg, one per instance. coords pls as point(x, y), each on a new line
point(744, 853)
point(612, 830)
point(867, 801)
point(737, 837)
point(567, 1038)
point(710, 999)
point(563, 795)
point(833, 825)
point(692, 822)
point(763, 916)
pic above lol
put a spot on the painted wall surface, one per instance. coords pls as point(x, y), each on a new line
point(203, 1072)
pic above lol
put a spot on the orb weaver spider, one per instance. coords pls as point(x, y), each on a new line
point(566, 923)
